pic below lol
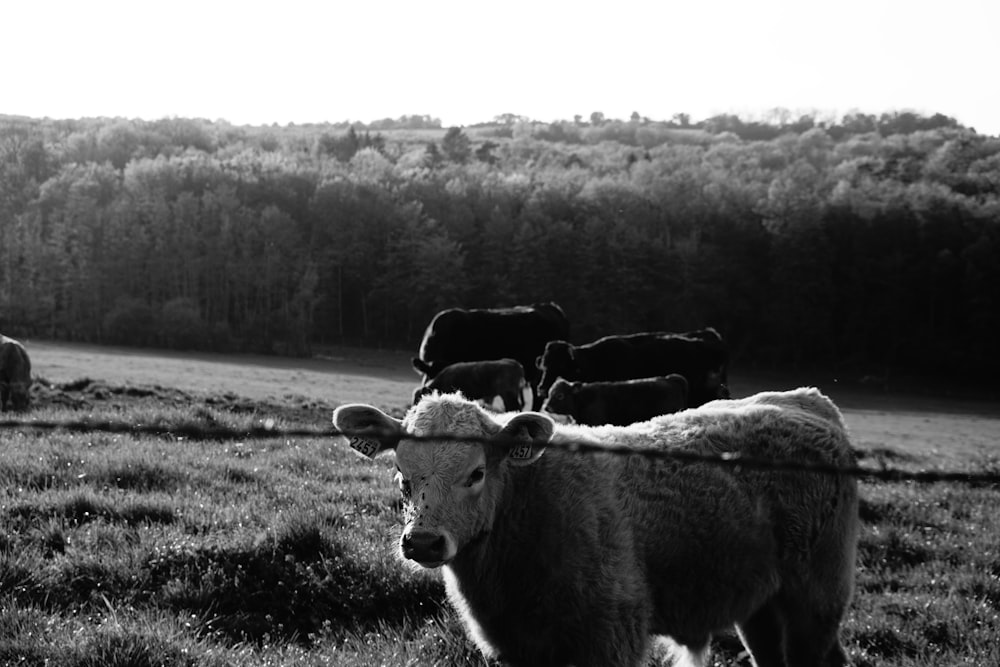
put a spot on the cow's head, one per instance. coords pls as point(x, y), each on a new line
point(560, 398)
point(427, 369)
point(715, 384)
point(451, 488)
point(558, 360)
point(420, 392)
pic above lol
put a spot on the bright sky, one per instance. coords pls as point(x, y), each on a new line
point(465, 62)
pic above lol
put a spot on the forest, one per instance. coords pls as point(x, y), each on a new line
point(865, 244)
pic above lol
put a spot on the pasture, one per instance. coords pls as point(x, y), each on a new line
point(118, 549)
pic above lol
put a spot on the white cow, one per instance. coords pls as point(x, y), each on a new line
point(557, 558)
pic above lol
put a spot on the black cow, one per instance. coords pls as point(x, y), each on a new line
point(15, 375)
point(480, 380)
point(700, 356)
point(518, 333)
point(620, 403)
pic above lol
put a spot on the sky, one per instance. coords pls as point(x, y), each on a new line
point(293, 61)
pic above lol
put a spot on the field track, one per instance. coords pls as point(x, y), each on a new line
point(946, 428)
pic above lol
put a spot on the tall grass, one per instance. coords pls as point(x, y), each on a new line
point(120, 550)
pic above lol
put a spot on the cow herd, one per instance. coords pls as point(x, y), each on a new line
point(574, 543)
point(619, 379)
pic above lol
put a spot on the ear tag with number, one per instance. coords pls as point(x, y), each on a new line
point(364, 445)
point(520, 452)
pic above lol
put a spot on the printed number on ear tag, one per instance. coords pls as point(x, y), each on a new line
point(367, 447)
point(520, 452)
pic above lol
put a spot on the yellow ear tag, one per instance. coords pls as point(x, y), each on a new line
point(363, 445)
point(520, 452)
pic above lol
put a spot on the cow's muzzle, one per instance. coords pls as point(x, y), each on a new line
point(429, 548)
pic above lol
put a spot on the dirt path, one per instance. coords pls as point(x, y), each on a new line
point(938, 430)
point(384, 378)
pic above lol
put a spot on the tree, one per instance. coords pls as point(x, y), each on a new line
point(509, 119)
point(456, 145)
point(597, 118)
point(342, 147)
point(181, 326)
point(681, 119)
point(129, 322)
point(485, 152)
point(432, 155)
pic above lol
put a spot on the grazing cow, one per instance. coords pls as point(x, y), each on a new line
point(621, 403)
point(480, 380)
point(700, 356)
point(555, 557)
point(15, 375)
point(518, 333)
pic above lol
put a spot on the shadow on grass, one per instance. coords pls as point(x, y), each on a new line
point(288, 586)
point(85, 506)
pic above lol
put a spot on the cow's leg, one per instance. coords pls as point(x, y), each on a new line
point(4, 397)
point(763, 635)
point(812, 636)
point(621, 639)
point(536, 400)
point(510, 402)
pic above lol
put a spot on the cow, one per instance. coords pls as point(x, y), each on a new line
point(700, 356)
point(480, 380)
point(519, 333)
point(621, 403)
point(15, 375)
point(558, 557)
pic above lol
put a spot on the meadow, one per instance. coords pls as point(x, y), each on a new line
point(119, 549)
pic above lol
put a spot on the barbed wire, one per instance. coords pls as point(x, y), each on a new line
point(269, 430)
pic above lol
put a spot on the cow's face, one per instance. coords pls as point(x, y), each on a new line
point(560, 398)
point(715, 386)
point(452, 489)
point(450, 494)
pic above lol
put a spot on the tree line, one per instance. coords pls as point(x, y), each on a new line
point(866, 244)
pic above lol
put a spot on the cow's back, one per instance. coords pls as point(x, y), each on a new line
point(701, 361)
point(519, 332)
point(15, 365)
point(789, 528)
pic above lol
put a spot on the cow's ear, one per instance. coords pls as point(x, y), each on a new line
point(368, 430)
point(525, 436)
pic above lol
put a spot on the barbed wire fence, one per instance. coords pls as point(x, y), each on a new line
point(269, 430)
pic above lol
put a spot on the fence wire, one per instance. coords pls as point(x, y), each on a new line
point(202, 432)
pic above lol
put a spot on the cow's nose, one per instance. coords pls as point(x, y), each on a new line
point(424, 546)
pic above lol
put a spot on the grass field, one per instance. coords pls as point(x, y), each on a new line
point(142, 550)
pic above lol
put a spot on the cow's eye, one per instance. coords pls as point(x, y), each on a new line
point(477, 476)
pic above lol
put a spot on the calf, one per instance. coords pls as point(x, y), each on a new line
point(554, 557)
point(480, 380)
point(620, 403)
point(15, 375)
